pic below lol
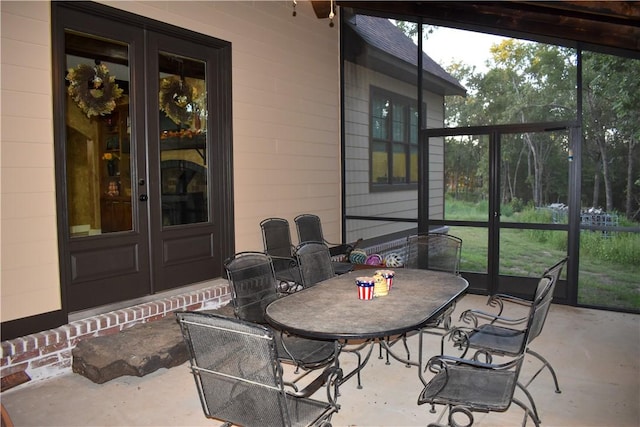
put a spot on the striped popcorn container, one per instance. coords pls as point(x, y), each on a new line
point(365, 287)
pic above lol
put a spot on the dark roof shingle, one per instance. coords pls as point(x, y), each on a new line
point(382, 34)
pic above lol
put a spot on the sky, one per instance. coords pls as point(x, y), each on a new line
point(445, 45)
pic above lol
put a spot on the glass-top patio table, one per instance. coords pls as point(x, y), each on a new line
point(331, 310)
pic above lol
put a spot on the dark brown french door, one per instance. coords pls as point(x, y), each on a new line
point(143, 149)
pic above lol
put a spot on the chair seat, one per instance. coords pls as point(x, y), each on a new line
point(307, 353)
point(484, 390)
point(499, 339)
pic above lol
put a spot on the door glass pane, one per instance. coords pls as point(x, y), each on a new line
point(534, 177)
point(97, 135)
point(528, 253)
point(464, 177)
point(475, 242)
point(183, 136)
point(458, 183)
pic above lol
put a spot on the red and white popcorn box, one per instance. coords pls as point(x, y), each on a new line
point(365, 288)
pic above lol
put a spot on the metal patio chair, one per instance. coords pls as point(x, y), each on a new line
point(432, 251)
point(309, 229)
point(440, 252)
point(254, 286)
point(314, 262)
point(315, 266)
point(276, 238)
point(239, 377)
point(499, 324)
point(466, 385)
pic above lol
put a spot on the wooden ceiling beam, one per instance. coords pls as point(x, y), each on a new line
point(599, 25)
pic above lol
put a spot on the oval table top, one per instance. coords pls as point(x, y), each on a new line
point(331, 309)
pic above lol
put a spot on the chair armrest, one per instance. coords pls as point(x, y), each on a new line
point(436, 363)
point(472, 317)
point(498, 300)
point(508, 298)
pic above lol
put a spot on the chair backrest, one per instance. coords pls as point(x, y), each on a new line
point(314, 262)
point(276, 237)
point(309, 228)
point(554, 272)
point(236, 371)
point(253, 284)
point(434, 251)
point(547, 290)
point(540, 308)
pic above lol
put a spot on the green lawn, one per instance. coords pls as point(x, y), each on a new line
point(609, 270)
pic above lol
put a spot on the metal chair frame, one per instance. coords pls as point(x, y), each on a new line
point(309, 229)
point(473, 317)
point(254, 287)
point(431, 251)
point(469, 384)
point(239, 378)
point(276, 238)
point(314, 262)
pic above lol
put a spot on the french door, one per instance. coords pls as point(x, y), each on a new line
point(143, 149)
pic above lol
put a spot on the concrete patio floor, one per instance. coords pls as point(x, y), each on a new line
point(596, 355)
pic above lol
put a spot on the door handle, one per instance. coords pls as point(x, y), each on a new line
point(143, 197)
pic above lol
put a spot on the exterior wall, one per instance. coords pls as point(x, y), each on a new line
point(285, 77)
point(358, 199)
point(28, 236)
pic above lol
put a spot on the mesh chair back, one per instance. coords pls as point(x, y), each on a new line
point(314, 262)
point(253, 284)
point(540, 308)
point(235, 368)
point(276, 237)
point(434, 251)
point(309, 228)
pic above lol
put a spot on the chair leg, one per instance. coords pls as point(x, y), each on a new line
point(534, 409)
point(527, 413)
point(545, 363)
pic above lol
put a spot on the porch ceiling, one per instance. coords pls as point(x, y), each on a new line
point(601, 26)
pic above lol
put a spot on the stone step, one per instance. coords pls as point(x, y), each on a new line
point(136, 351)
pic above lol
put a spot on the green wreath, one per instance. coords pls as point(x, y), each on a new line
point(176, 97)
point(93, 89)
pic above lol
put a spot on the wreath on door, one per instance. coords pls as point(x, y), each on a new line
point(93, 89)
point(176, 97)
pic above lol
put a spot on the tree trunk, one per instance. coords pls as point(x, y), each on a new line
point(596, 189)
point(608, 195)
point(536, 183)
point(629, 201)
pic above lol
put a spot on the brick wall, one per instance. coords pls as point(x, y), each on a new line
point(47, 354)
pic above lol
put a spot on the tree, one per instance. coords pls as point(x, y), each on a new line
point(612, 120)
point(526, 82)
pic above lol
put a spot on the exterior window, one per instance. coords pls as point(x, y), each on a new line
point(394, 141)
